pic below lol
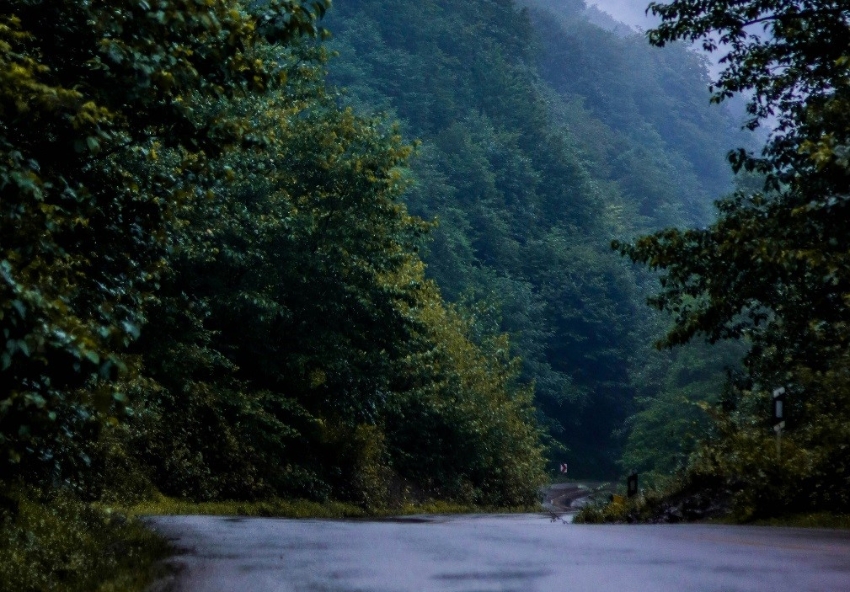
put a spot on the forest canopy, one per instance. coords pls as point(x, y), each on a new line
point(211, 287)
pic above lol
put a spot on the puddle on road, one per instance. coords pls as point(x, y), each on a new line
point(495, 576)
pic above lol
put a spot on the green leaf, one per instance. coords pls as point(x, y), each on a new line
point(132, 329)
point(19, 306)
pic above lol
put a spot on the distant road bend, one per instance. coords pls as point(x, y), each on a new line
point(499, 553)
point(560, 498)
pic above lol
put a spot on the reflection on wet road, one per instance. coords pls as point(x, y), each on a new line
point(521, 553)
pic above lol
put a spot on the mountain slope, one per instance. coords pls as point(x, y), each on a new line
point(543, 137)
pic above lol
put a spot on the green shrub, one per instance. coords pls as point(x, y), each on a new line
point(56, 542)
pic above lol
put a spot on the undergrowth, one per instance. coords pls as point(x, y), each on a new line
point(679, 503)
point(614, 511)
point(286, 508)
point(55, 542)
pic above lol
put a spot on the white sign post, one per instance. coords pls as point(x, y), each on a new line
point(564, 468)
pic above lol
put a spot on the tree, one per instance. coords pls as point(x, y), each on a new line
point(278, 320)
point(775, 266)
point(89, 95)
point(295, 345)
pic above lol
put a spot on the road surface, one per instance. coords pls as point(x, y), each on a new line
point(518, 553)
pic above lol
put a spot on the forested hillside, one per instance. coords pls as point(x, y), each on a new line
point(280, 250)
point(543, 137)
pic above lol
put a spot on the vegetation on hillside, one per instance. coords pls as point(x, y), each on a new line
point(543, 137)
point(211, 287)
point(242, 263)
point(227, 298)
point(773, 269)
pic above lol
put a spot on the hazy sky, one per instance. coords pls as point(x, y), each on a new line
point(630, 12)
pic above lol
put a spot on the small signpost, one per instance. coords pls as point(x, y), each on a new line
point(779, 418)
point(632, 485)
point(564, 468)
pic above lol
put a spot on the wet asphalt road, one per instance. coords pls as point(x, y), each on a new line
point(521, 553)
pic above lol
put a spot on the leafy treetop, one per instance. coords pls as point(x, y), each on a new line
point(775, 266)
point(89, 92)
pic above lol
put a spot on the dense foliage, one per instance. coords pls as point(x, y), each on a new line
point(304, 334)
point(543, 136)
point(223, 278)
point(89, 94)
point(773, 269)
point(226, 273)
point(56, 542)
point(209, 285)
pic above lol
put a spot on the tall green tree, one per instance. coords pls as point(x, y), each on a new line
point(775, 267)
point(296, 349)
point(89, 95)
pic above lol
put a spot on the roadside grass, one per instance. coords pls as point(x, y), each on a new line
point(288, 508)
point(55, 542)
point(654, 507)
point(600, 511)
